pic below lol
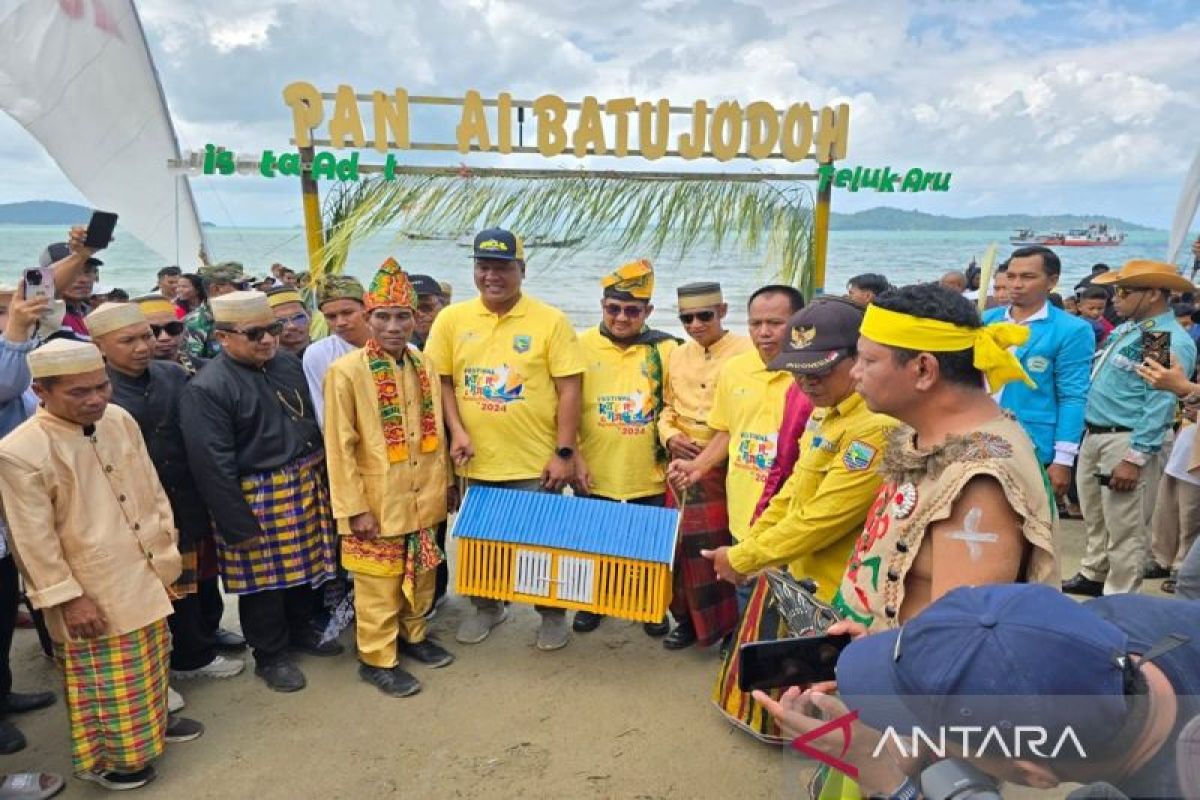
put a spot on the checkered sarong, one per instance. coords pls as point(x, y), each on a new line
point(117, 698)
point(188, 580)
point(297, 546)
point(699, 595)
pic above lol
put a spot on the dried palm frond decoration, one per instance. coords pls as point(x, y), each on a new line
point(648, 214)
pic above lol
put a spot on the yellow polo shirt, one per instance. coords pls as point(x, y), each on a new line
point(748, 405)
point(503, 369)
point(814, 521)
point(618, 432)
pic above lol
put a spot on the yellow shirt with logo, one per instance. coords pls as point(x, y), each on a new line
point(748, 405)
point(691, 385)
point(503, 368)
point(618, 432)
point(814, 521)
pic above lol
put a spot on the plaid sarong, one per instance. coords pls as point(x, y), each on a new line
point(699, 595)
point(188, 580)
point(760, 623)
point(116, 690)
point(297, 546)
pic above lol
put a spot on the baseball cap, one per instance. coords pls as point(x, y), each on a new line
point(424, 285)
point(821, 334)
point(57, 252)
point(497, 244)
point(1015, 654)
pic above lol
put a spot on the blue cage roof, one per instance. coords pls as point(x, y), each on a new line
point(620, 530)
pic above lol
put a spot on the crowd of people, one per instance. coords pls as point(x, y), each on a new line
point(903, 457)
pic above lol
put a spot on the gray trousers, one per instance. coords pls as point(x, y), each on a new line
point(1188, 586)
point(1116, 522)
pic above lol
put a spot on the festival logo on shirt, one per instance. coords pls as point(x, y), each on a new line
point(756, 453)
point(629, 413)
point(493, 388)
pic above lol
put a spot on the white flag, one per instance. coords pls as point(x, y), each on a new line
point(77, 74)
point(1185, 212)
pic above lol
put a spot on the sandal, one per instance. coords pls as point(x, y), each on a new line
point(1168, 586)
point(30, 785)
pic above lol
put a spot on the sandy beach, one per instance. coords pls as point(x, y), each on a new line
point(612, 715)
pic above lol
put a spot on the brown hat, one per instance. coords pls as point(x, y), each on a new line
point(1142, 273)
point(822, 334)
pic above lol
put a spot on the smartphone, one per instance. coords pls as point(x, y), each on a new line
point(1156, 346)
point(100, 230)
point(1102, 479)
point(789, 662)
point(39, 282)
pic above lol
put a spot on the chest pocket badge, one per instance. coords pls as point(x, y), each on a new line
point(522, 343)
point(1038, 364)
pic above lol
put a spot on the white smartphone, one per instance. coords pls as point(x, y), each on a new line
point(39, 282)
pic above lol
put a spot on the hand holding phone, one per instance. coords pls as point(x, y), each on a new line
point(100, 230)
point(38, 283)
point(790, 662)
point(1156, 347)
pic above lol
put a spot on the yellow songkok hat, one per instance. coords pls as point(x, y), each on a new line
point(110, 317)
point(990, 342)
point(64, 357)
point(634, 281)
point(236, 308)
point(704, 294)
point(155, 304)
point(390, 288)
point(280, 297)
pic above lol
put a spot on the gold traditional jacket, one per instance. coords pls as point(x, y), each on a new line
point(919, 489)
point(404, 497)
point(692, 386)
point(88, 516)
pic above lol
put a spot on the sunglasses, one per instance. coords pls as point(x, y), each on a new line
point(299, 320)
point(1125, 291)
point(616, 310)
point(702, 316)
point(171, 329)
point(257, 333)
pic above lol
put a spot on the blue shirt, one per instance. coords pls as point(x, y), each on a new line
point(1119, 396)
point(16, 399)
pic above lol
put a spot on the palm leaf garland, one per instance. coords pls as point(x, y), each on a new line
point(633, 213)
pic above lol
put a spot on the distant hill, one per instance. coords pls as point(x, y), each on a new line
point(43, 212)
point(895, 219)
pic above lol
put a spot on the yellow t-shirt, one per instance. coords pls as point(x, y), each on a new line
point(503, 370)
point(618, 432)
point(748, 405)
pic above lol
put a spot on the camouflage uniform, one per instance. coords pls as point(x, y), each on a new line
point(198, 339)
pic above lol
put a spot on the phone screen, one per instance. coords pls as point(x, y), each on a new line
point(789, 662)
point(100, 230)
point(1156, 346)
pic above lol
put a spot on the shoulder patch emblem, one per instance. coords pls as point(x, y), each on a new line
point(1038, 364)
point(859, 455)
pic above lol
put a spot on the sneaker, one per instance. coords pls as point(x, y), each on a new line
point(1081, 584)
point(1154, 571)
point(281, 676)
point(313, 646)
point(119, 781)
point(428, 652)
point(553, 634)
point(220, 667)
point(175, 701)
point(586, 621)
point(391, 681)
point(228, 641)
point(475, 628)
point(182, 729)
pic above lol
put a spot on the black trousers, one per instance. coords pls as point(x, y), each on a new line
point(212, 606)
point(443, 570)
point(272, 619)
point(192, 643)
point(10, 595)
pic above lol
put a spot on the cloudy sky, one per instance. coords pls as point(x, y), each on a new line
point(1084, 106)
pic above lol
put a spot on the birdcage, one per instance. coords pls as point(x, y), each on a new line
point(566, 552)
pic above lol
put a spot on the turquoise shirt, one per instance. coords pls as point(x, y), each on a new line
point(1120, 397)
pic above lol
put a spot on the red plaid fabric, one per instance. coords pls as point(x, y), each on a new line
point(760, 623)
point(116, 690)
point(699, 595)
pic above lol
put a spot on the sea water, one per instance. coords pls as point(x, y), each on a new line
point(570, 278)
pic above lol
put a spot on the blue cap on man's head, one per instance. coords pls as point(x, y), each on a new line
point(497, 244)
point(1006, 655)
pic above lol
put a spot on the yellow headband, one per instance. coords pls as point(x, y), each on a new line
point(990, 343)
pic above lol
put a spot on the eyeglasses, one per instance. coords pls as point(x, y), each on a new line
point(616, 310)
point(257, 333)
point(703, 316)
point(171, 329)
point(299, 320)
point(1125, 291)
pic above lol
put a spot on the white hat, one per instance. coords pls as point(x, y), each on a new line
point(113, 316)
point(237, 307)
point(64, 357)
